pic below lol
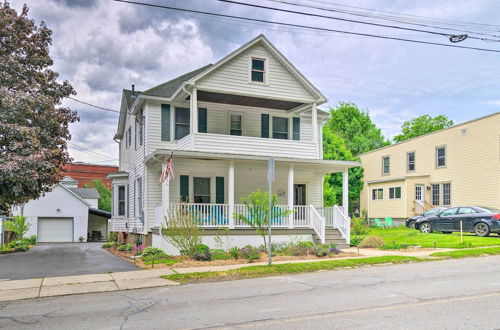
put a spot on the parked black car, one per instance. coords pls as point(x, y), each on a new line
point(475, 219)
point(410, 222)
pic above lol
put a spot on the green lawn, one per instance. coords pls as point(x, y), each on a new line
point(414, 237)
point(280, 269)
point(463, 253)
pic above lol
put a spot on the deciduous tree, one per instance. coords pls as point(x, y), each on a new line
point(33, 124)
point(422, 125)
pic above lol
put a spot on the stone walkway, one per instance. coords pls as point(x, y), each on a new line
point(79, 284)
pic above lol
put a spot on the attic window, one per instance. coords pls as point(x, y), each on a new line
point(258, 70)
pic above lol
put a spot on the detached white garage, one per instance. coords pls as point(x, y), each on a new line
point(55, 230)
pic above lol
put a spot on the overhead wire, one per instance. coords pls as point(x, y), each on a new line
point(306, 26)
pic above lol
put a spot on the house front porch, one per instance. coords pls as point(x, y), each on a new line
point(210, 187)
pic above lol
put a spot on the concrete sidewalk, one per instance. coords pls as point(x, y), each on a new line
point(78, 284)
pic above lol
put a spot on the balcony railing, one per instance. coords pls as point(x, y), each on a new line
point(221, 143)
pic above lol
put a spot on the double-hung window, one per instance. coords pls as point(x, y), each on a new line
point(121, 201)
point(280, 128)
point(435, 194)
point(446, 194)
point(377, 194)
point(201, 190)
point(182, 118)
point(386, 165)
point(235, 124)
point(394, 192)
point(440, 157)
point(258, 71)
point(410, 161)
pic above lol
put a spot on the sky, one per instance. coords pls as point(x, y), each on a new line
point(102, 47)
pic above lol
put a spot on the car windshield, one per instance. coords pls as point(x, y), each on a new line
point(490, 209)
point(431, 212)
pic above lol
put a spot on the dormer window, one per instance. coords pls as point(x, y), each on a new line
point(258, 73)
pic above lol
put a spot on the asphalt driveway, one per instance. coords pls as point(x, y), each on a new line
point(59, 259)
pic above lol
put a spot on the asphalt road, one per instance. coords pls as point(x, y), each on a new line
point(451, 294)
point(58, 259)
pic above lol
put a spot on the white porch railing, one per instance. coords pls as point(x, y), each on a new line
point(336, 218)
point(303, 216)
point(318, 223)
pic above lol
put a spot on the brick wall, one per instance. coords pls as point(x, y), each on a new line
point(85, 173)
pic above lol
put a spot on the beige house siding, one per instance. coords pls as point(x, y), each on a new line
point(472, 167)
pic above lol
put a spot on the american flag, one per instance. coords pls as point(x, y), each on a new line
point(168, 172)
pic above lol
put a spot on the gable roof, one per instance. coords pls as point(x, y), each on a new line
point(168, 89)
point(274, 51)
point(128, 99)
point(86, 193)
point(72, 193)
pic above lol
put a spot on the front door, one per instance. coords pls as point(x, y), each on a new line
point(419, 192)
point(299, 198)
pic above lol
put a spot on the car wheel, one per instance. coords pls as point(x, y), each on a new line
point(411, 224)
point(446, 232)
point(426, 227)
point(482, 229)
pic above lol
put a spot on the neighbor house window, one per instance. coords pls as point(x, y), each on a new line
point(139, 130)
point(201, 190)
point(280, 128)
point(377, 194)
point(394, 192)
point(235, 124)
point(435, 194)
point(440, 157)
point(139, 195)
point(121, 200)
point(128, 137)
point(410, 160)
point(258, 73)
point(181, 122)
point(446, 194)
point(386, 165)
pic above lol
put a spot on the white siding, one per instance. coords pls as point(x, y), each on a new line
point(233, 77)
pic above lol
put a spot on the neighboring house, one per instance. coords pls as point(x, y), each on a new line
point(85, 173)
point(65, 214)
point(459, 165)
point(220, 124)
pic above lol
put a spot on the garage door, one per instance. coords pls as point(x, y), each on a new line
point(55, 230)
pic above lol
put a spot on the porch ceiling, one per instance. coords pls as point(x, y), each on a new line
point(316, 165)
point(257, 102)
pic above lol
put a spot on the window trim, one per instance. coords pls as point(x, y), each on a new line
point(266, 69)
point(287, 127)
point(377, 190)
point(182, 124)
point(118, 200)
point(394, 193)
point(383, 165)
point(209, 179)
point(408, 161)
point(437, 157)
point(440, 193)
point(243, 121)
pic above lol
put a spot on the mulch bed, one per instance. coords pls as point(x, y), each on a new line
point(185, 262)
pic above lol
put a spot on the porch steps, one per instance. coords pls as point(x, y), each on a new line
point(333, 236)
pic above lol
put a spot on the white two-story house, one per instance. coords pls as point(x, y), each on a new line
point(220, 124)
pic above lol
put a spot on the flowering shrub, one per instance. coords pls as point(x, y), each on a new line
point(137, 250)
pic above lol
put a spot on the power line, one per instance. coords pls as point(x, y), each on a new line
point(381, 17)
point(87, 150)
point(450, 22)
point(347, 19)
point(92, 105)
point(306, 26)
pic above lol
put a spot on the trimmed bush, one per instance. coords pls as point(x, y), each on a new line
point(108, 244)
point(372, 242)
point(202, 253)
point(18, 246)
point(355, 240)
point(125, 247)
point(152, 251)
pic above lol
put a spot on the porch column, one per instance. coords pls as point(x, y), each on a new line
point(194, 111)
point(230, 192)
point(290, 194)
point(345, 191)
point(165, 193)
point(314, 113)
